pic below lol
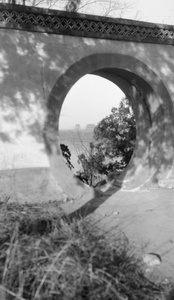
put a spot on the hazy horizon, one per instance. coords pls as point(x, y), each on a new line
point(74, 128)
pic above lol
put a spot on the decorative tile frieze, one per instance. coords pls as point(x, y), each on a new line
point(83, 25)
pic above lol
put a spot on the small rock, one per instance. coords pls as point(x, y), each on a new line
point(152, 259)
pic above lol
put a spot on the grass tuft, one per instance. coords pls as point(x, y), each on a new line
point(45, 256)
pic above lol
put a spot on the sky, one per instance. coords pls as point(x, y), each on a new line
point(89, 101)
point(157, 11)
point(92, 97)
point(160, 11)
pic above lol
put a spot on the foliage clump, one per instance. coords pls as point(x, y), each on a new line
point(113, 144)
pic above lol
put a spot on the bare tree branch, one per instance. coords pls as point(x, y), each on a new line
point(108, 7)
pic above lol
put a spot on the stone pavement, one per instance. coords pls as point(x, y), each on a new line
point(146, 217)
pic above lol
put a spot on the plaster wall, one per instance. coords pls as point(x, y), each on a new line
point(36, 72)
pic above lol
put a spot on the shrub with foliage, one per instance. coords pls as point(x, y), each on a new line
point(113, 145)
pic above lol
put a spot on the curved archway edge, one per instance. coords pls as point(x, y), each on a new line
point(153, 155)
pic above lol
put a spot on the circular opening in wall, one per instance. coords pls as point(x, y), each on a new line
point(97, 130)
point(150, 162)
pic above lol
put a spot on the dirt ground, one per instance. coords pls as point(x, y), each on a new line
point(145, 217)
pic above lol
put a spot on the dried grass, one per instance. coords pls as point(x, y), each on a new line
point(45, 256)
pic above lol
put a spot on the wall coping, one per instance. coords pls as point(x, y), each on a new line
point(74, 24)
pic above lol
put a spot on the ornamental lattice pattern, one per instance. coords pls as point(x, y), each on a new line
point(87, 27)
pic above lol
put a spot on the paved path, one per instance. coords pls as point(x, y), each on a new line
point(145, 216)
